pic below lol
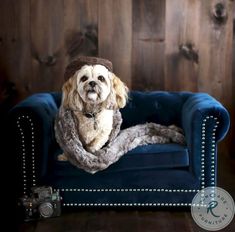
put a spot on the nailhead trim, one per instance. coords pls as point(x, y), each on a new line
point(212, 150)
point(126, 204)
point(33, 174)
point(128, 190)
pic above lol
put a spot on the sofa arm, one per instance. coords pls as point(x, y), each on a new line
point(32, 132)
point(205, 122)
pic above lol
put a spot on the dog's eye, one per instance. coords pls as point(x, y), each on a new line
point(84, 78)
point(101, 78)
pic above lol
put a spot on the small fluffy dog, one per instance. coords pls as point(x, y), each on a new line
point(94, 93)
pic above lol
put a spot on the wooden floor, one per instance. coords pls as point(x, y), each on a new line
point(134, 220)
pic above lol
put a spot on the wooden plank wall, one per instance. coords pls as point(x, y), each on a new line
point(232, 103)
point(148, 44)
point(154, 45)
point(115, 35)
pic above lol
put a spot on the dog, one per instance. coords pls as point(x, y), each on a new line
point(93, 93)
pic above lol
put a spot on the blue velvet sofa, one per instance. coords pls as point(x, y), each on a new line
point(151, 175)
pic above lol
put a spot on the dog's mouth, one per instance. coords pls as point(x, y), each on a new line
point(92, 94)
point(91, 91)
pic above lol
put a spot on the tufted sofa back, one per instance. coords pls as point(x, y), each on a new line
point(157, 106)
point(160, 107)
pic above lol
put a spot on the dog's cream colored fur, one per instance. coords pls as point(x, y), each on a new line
point(109, 93)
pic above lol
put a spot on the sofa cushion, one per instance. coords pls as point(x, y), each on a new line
point(156, 156)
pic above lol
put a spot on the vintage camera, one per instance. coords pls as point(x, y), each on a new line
point(42, 203)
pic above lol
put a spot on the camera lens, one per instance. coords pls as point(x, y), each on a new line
point(46, 209)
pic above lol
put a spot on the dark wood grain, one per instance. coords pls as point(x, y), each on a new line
point(148, 45)
point(15, 51)
point(215, 52)
point(80, 28)
point(182, 26)
point(115, 35)
point(46, 33)
point(232, 148)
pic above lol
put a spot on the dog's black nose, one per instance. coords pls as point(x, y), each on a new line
point(92, 84)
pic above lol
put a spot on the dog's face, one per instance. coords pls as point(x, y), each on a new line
point(94, 84)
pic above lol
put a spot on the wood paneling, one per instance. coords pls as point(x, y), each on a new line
point(46, 33)
point(80, 28)
point(115, 35)
point(215, 51)
point(148, 44)
point(15, 43)
point(182, 28)
point(232, 104)
point(154, 45)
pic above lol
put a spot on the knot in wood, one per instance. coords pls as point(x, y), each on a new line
point(219, 13)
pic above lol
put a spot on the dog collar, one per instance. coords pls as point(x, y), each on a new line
point(89, 115)
point(93, 116)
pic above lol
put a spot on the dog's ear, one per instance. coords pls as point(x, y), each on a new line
point(71, 98)
point(119, 93)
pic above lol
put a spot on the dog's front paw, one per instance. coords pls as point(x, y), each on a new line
point(62, 157)
point(91, 149)
point(94, 146)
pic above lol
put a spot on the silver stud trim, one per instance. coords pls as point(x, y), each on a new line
point(126, 204)
point(128, 190)
point(213, 145)
point(23, 144)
